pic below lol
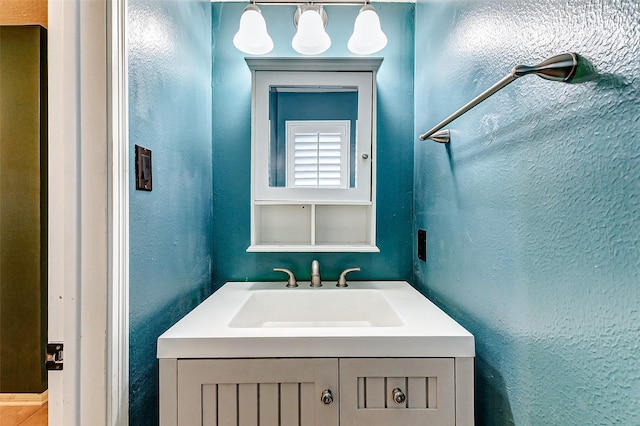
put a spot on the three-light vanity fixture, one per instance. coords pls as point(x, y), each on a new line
point(311, 38)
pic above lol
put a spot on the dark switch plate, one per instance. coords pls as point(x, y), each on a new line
point(143, 168)
point(422, 245)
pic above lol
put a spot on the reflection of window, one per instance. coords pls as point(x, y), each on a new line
point(318, 154)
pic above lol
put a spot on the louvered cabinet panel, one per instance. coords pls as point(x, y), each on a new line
point(252, 392)
point(367, 389)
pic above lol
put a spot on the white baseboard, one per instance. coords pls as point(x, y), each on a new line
point(24, 398)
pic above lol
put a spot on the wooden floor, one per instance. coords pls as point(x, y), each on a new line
point(24, 415)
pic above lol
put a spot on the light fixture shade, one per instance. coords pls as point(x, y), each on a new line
point(311, 38)
point(367, 37)
point(252, 36)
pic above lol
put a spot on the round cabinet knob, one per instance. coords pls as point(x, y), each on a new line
point(398, 396)
point(327, 397)
point(365, 156)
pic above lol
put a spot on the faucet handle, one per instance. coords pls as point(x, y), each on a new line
point(292, 278)
point(342, 281)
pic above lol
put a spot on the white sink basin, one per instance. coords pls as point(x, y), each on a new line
point(267, 320)
point(311, 307)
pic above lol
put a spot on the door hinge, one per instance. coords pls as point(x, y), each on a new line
point(55, 356)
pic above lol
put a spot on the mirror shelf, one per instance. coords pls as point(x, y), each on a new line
point(291, 248)
point(313, 227)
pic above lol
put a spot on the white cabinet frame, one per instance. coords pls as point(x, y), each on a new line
point(262, 81)
point(285, 219)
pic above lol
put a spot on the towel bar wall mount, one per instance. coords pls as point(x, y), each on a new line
point(560, 68)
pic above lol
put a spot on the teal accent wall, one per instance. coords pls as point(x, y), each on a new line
point(170, 227)
point(533, 212)
point(232, 142)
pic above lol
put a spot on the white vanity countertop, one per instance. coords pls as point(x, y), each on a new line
point(420, 328)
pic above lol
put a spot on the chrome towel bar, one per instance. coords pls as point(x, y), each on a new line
point(557, 68)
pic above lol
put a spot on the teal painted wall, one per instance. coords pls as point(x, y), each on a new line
point(533, 212)
point(232, 140)
point(170, 227)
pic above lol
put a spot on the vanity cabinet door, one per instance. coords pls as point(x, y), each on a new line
point(252, 392)
point(397, 391)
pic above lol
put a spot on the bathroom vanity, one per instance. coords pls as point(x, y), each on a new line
point(373, 353)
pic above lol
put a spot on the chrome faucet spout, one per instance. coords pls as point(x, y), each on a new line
point(316, 281)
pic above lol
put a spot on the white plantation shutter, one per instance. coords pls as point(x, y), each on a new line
point(318, 154)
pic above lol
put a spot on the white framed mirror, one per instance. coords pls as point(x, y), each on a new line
point(313, 154)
